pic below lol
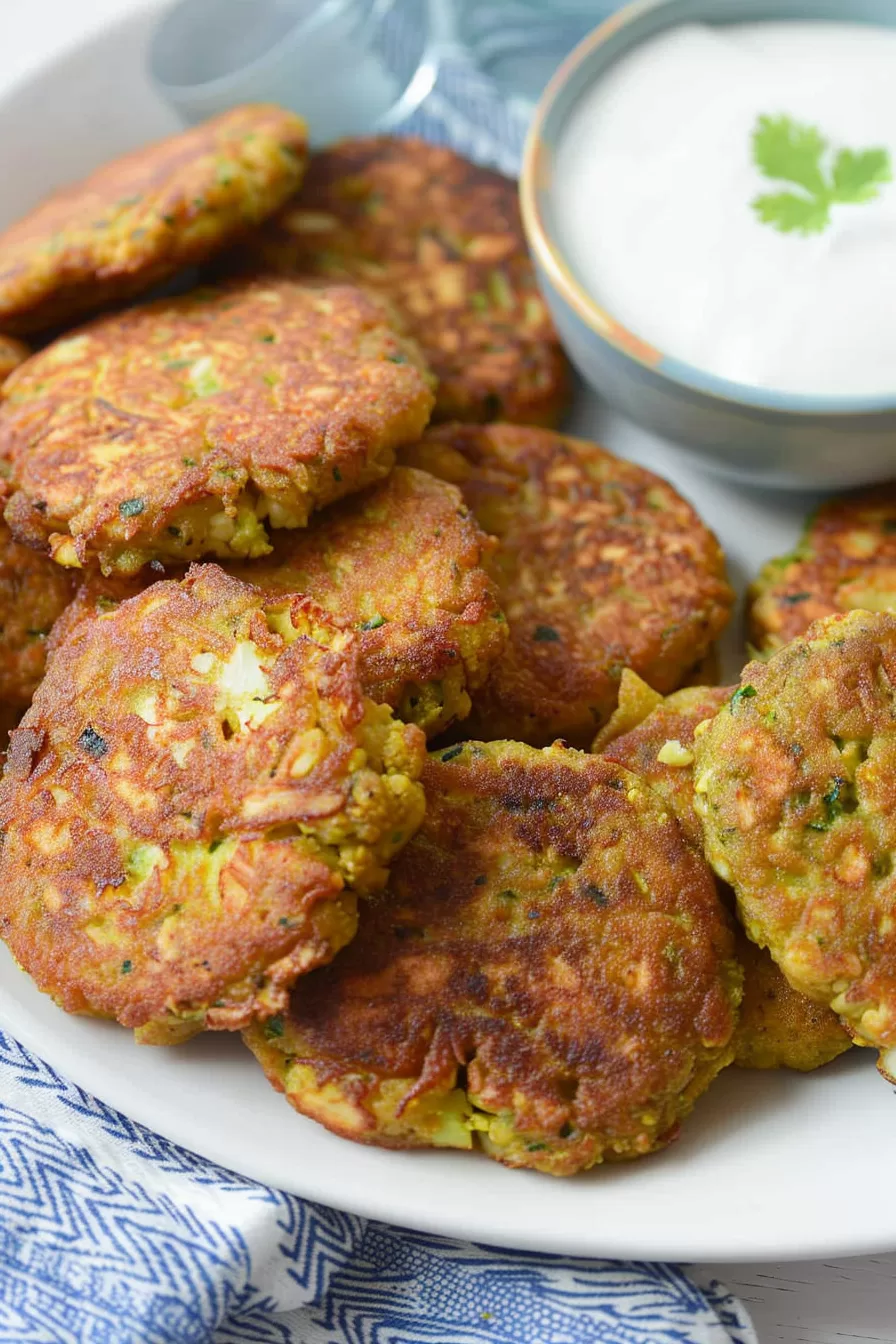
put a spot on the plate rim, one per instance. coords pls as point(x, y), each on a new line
point(373, 1199)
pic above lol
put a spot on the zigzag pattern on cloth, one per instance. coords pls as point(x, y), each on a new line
point(421, 1284)
point(124, 1238)
point(33, 1072)
point(152, 1243)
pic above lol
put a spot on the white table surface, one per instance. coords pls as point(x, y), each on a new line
point(841, 1302)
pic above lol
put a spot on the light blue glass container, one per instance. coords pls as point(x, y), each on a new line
point(520, 43)
point(349, 67)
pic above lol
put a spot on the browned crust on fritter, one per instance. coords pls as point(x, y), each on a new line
point(675, 720)
point(12, 354)
point(845, 561)
point(602, 566)
point(443, 239)
point(795, 791)
point(141, 218)
point(96, 596)
point(34, 593)
point(401, 563)
point(550, 933)
point(779, 1028)
point(260, 398)
point(174, 865)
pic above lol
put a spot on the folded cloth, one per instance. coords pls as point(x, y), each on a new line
point(110, 1234)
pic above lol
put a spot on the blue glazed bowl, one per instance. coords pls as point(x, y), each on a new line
point(756, 436)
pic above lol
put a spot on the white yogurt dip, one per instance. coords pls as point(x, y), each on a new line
point(669, 213)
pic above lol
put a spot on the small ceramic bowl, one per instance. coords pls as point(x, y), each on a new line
point(754, 435)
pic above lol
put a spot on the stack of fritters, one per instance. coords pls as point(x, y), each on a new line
point(218, 812)
point(193, 803)
point(201, 789)
point(778, 1027)
point(443, 240)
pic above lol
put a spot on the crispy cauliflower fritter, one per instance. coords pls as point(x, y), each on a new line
point(443, 240)
point(795, 792)
point(601, 566)
point(189, 426)
point(402, 564)
point(778, 1028)
point(845, 561)
point(141, 218)
point(551, 977)
point(192, 805)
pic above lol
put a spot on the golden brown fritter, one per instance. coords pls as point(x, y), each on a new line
point(33, 595)
point(602, 566)
point(551, 976)
point(796, 793)
point(845, 561)
point(141, 218)
point(443, 240)
point(402, 564)
point(192, 804)
point(12, 354)
point(188, 426)
point(658, 747)
point(778, 1028)
point(97, 596)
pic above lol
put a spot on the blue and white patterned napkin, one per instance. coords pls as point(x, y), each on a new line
point(110, 1234)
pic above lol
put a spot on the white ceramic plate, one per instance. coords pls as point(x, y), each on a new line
point(770, 1166)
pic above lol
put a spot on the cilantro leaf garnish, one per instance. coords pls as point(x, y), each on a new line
point(789, 213)
point(788, 151)
point(857, 177)
point(785, 151)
